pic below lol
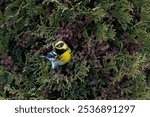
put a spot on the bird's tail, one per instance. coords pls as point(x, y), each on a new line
point(42, 56)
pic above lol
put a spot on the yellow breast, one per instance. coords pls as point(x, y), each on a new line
point(65, 57)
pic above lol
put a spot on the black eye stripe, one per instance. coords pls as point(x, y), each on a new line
point(60, 45)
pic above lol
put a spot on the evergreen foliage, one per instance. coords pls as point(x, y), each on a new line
point(109, 39)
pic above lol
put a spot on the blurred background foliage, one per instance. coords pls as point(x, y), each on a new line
point(110, 40)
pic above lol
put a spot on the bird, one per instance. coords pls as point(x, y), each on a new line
point(59, 55)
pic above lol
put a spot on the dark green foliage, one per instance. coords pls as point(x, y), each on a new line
point(109, 39)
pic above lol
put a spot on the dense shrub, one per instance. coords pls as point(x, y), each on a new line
point(109, 39)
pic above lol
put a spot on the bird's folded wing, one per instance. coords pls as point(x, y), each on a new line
point(50, 56)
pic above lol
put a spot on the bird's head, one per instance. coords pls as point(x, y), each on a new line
point(60, 45)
